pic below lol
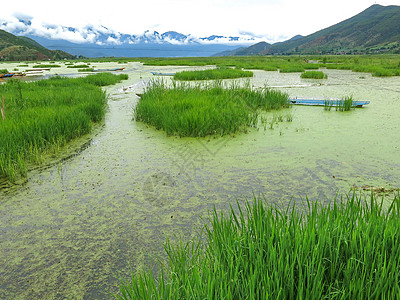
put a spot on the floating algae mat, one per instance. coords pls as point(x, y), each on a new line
point(71, 226)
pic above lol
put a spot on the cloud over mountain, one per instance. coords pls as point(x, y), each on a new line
point(97, 34)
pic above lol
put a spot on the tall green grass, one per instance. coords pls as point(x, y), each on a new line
point(43, 113)
point(345, 104)
point(204, 109)
point(218, 73)
point(347, 250)
point(314, 75)
point(80, 66)
point(291, 68)
point(46, 66)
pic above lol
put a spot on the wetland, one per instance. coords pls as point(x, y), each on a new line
point(110, 199)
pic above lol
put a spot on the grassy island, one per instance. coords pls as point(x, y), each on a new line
point(218, 73)
point(37, 115)
point(200, 110)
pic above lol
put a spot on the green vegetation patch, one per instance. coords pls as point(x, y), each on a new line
point(86, 70)
point(291, 68)
point(46, 66)
point(314, 75)
point(3, 71)
point(218, 73)
point(37, 115)
point(349, 249)
point(200, 110)
point(79, 66)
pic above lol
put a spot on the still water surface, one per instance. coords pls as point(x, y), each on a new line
point(110, 206)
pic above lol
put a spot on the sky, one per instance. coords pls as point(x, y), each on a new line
point(269, 20)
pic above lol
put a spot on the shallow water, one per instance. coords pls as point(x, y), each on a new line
point(73, 224)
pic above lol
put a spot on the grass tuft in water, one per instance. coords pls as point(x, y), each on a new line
point(46, 66)
point(218, 73)
point(314, 75)
point(205, 109)
point(345, 104)
point(348, 249)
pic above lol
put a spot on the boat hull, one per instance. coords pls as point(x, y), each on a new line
point(333, 103)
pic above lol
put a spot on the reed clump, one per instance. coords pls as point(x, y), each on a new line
point(347, 249)
point(345, 104)
point(314, 75)
point(81, 66)
point(218, 73)
point(46, 66)
point(204, 109)
point(86, 70)
point(43, 113)
point(291, 68)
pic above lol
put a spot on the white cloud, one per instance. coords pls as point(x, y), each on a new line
point(272, 20)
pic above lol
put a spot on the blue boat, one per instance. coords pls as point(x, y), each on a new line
point(332, 103)
point(162, 74)
point(7, 75)
point(107, 70)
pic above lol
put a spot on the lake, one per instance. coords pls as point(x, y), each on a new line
point(112, 198)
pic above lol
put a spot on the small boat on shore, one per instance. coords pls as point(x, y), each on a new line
point(162, 74)
point(333, 103)
point(107, 70)
point(6, 75)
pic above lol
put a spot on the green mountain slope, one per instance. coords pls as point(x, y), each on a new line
point(377, 27)
point(14, 48)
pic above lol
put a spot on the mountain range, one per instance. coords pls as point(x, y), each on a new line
point(376, 29)
point(100, 41)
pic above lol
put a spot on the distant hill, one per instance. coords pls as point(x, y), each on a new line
point(376, 29)
point(14, 48)
point(246, 51)
point(254, 49)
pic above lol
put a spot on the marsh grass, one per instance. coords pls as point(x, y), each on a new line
point(314, 75)
point(218, 73)
point(46, 66)
point(291, 68)
point(345, 104)
point(86, 70)
point(79, 66)
point(347, 249)
point(205, 109)
point(44, 113)
point(328, 104)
